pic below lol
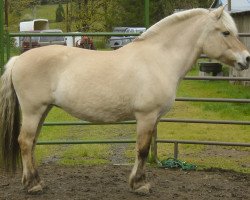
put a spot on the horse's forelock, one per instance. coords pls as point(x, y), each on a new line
point(229, 23)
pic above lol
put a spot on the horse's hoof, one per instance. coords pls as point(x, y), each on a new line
point(42, 184)
point(143, 190)
point(37, 189)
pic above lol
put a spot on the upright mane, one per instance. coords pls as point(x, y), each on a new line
point(180, 16)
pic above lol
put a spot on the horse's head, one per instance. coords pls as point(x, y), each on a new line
point(220, 40)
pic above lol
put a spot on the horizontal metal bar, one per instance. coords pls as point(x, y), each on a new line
point(85, 123)
point(89, 34)
point(220, 78)
point(74, 34)
point(201, 121)
point(134, 141)
point(244, 34)
point(86, 142)
point(213, 100)
point(204, 142)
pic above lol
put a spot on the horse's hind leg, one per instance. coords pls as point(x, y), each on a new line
point(145, 127)
point(31, 125)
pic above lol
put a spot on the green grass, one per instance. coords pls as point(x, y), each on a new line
point(78, 154)
point(44, 12)
point(85, 154)
point(49, 12)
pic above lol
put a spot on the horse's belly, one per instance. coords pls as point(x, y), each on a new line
point(96, 108)
point(99, 114)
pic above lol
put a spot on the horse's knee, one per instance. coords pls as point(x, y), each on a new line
point(145, 130)
point(143, 151)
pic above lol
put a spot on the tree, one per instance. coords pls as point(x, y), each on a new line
point(162, 8)
point(60, 14)
point(44, 2)
point(16, 7)
point(112, 14)
point(132, 12)
point(103, 15)
point(87, 15)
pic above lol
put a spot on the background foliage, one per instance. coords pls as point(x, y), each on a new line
point(98, 15)
point(60, 14)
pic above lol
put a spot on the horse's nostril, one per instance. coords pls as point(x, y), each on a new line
point(248, 59)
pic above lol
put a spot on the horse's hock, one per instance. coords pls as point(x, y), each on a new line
point(210, 68)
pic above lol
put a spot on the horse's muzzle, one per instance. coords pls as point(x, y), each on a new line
point(248, 61)
point(243, 63)
point(242, 66)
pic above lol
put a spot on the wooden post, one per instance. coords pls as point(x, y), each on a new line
point(6, 13)
point(146, 13)
point(1, 37)
point(229, 5)
point(67, 16)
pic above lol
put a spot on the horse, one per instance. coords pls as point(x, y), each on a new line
point(137, 81)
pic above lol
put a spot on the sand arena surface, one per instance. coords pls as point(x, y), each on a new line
point(111, 182)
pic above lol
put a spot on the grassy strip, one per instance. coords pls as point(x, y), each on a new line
point(78, 154)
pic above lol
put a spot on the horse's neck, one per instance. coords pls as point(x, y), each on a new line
point(179, 46)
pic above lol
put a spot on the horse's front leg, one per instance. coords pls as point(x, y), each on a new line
point(27, 142)
point(145, 127)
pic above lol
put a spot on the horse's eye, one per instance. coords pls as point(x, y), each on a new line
point(226, 33)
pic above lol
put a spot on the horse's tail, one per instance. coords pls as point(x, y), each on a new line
point(9, 121)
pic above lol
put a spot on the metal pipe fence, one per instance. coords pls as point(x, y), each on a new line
point(155, 140)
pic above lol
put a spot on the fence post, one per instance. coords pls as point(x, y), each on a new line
point(74, 41)
point(146, 10)
point(176, 150)
point(229, 5)
point(8, 45)
point(1, 38)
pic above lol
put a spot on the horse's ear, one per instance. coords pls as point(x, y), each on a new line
point(217, 13)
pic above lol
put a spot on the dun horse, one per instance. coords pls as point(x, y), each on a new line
point(137, 81)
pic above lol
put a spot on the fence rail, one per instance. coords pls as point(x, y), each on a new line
point(195, 121)
point(73, 34)
point(155, 140)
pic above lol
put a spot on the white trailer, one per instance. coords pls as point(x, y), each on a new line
point(34, 25)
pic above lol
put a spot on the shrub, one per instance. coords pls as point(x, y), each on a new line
point(60, 13)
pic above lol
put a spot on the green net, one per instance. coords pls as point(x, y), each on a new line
point(174, 163)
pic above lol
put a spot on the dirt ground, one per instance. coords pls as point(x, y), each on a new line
point(110, 182)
